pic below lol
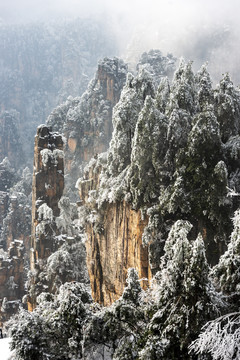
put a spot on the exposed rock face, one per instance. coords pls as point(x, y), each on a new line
point(47, 189)
point(117, 247)
point(11, 280)
point(48, 184)
point(114, 243)
point(86, 122)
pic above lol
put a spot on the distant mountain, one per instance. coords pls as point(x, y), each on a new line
point(40, 66)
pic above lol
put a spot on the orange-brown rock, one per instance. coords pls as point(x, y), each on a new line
point(47, 188)
point(114, 242)
point(115, 248)
point(72, 143)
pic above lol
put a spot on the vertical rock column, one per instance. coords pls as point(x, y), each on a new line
point(48, 184)
point(11, 280)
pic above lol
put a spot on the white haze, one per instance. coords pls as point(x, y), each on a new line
point(198, 30)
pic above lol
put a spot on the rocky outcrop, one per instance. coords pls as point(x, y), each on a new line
point(15, 230)
point(86, 122)
point(166, 158)
point(115, 248)
point(114, 242)
point(11, 280)
point(47, 189)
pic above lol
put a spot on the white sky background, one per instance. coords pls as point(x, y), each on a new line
point(175, 12)
point(172, 12)
point(183, 27)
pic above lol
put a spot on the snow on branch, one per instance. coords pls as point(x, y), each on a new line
point(232, 192)
point(220, 338)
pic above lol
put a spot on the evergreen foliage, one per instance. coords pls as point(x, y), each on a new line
point(174, 155)
point(160, 322)
point(167, 155)
point(227, 272)
point(185, 297)
point(227, 107)
point(54, 329)
point(124, 120)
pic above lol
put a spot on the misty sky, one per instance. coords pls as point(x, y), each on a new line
point(184, 27)
point(135, 10)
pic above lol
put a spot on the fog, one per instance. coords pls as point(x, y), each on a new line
point(198, 30)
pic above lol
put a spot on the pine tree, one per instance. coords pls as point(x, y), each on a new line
point(148, 153)
point(183, 89)
point(185, 297)
point(54, 330)
point(162, 95)
point(124, 120)
point(227, 102)
point(226, 273)
point(205, 95)
point(120, 326)
point(205, 175)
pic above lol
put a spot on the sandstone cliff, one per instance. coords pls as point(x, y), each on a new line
point(86, 122)
point(114, 241)
point(47, 189)
point(115, 249)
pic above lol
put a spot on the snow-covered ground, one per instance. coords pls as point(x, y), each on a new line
point(5, 353)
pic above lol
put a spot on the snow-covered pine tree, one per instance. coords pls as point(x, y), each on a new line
point(125, 116)
point(54, 330)
point(183, 89)
point(118, 328)
point(184, 295)
point(162, 95)
point(205, 94)
point(201, 170)
point(148, 152)
point(227, 102)
point(221, 337)
point(226, 274)
point(180, 109)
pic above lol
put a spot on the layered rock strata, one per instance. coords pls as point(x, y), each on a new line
point(115, 248)
point(114, 243)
